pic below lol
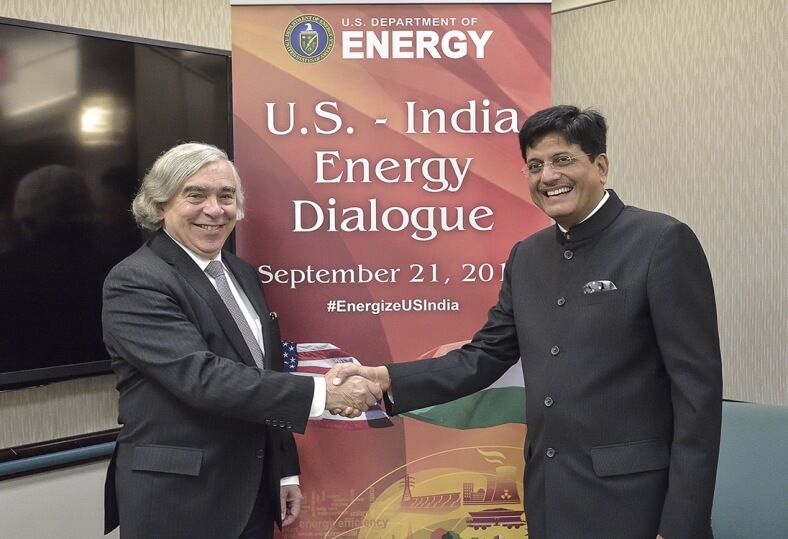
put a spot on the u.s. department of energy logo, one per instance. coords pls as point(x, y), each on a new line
point(309, 39)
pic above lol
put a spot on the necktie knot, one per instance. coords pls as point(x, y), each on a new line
point(215, 269)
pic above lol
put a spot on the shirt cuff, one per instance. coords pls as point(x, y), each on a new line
point(289, 480)
point(318, 398)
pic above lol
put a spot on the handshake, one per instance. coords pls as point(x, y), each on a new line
point(352, 388)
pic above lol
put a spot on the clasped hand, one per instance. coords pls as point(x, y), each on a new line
point(352, 389)
point(355, 394)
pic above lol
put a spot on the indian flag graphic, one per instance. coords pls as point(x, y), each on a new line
point(501, 402)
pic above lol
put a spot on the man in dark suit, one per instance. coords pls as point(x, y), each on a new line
point(613, 313)
point(206, 448)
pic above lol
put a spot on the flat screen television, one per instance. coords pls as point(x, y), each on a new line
point(83, 115)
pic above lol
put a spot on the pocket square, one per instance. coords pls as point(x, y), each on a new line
point(598, 286)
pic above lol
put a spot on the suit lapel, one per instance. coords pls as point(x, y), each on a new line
point(173, 254)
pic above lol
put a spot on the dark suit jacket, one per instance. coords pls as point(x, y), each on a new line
point(202, 427)
point(623, 387)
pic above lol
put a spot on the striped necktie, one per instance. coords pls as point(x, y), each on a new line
point(216, 270)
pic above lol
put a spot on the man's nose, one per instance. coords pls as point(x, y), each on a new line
point(212, 206)
point(549, 172)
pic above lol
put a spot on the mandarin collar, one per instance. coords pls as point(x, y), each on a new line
point(595, 224)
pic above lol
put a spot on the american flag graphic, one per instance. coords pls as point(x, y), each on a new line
point(316, 359)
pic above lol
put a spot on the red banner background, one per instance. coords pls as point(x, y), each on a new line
point(380, 100)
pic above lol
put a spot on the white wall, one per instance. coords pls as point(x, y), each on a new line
point(62, 504)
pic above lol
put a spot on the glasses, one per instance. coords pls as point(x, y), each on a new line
point(535, 168)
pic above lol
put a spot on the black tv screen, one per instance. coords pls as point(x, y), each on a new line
point(83, 115)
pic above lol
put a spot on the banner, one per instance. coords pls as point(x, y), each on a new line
point(377, 146)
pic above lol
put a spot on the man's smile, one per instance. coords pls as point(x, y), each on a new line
point(557, 191)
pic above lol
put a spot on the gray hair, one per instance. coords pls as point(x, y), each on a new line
point(168, 174)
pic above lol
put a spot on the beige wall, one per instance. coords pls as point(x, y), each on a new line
point(195, 22)
point(694, 94)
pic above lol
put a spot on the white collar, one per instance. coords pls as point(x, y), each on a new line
point(200, 261)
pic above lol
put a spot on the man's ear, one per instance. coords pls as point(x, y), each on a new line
point(602, 163)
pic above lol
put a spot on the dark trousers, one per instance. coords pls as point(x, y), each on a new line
point(261, 521)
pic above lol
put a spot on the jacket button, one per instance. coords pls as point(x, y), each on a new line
point(561, 301)
point(288, 425)
point(267, 421)
point(548, 402)
point(568, 254)
point(550, 452)
point(260, 453)
point(554, 350)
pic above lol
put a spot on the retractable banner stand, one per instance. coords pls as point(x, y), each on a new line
point(378, 149)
